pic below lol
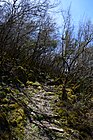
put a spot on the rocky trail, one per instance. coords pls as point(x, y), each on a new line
point(41, 101)
point(43, 122)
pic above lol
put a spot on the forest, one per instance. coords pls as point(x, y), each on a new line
point(46, 73)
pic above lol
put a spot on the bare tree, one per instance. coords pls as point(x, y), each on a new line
point(73, 46)
point(26, 31)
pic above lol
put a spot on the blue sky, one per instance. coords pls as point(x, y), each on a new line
point(80, 9)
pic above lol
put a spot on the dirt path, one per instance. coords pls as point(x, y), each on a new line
point(42, 101)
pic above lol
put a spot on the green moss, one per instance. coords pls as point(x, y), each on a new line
point(5, 101)
point(33, 83)
point(49, 93)
point(72, 118)
point(13, 106)
point(1, 87)
point(17, 121)
point(16, 91)
point(29, 83)
point(39, 87)
point(36, 84)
